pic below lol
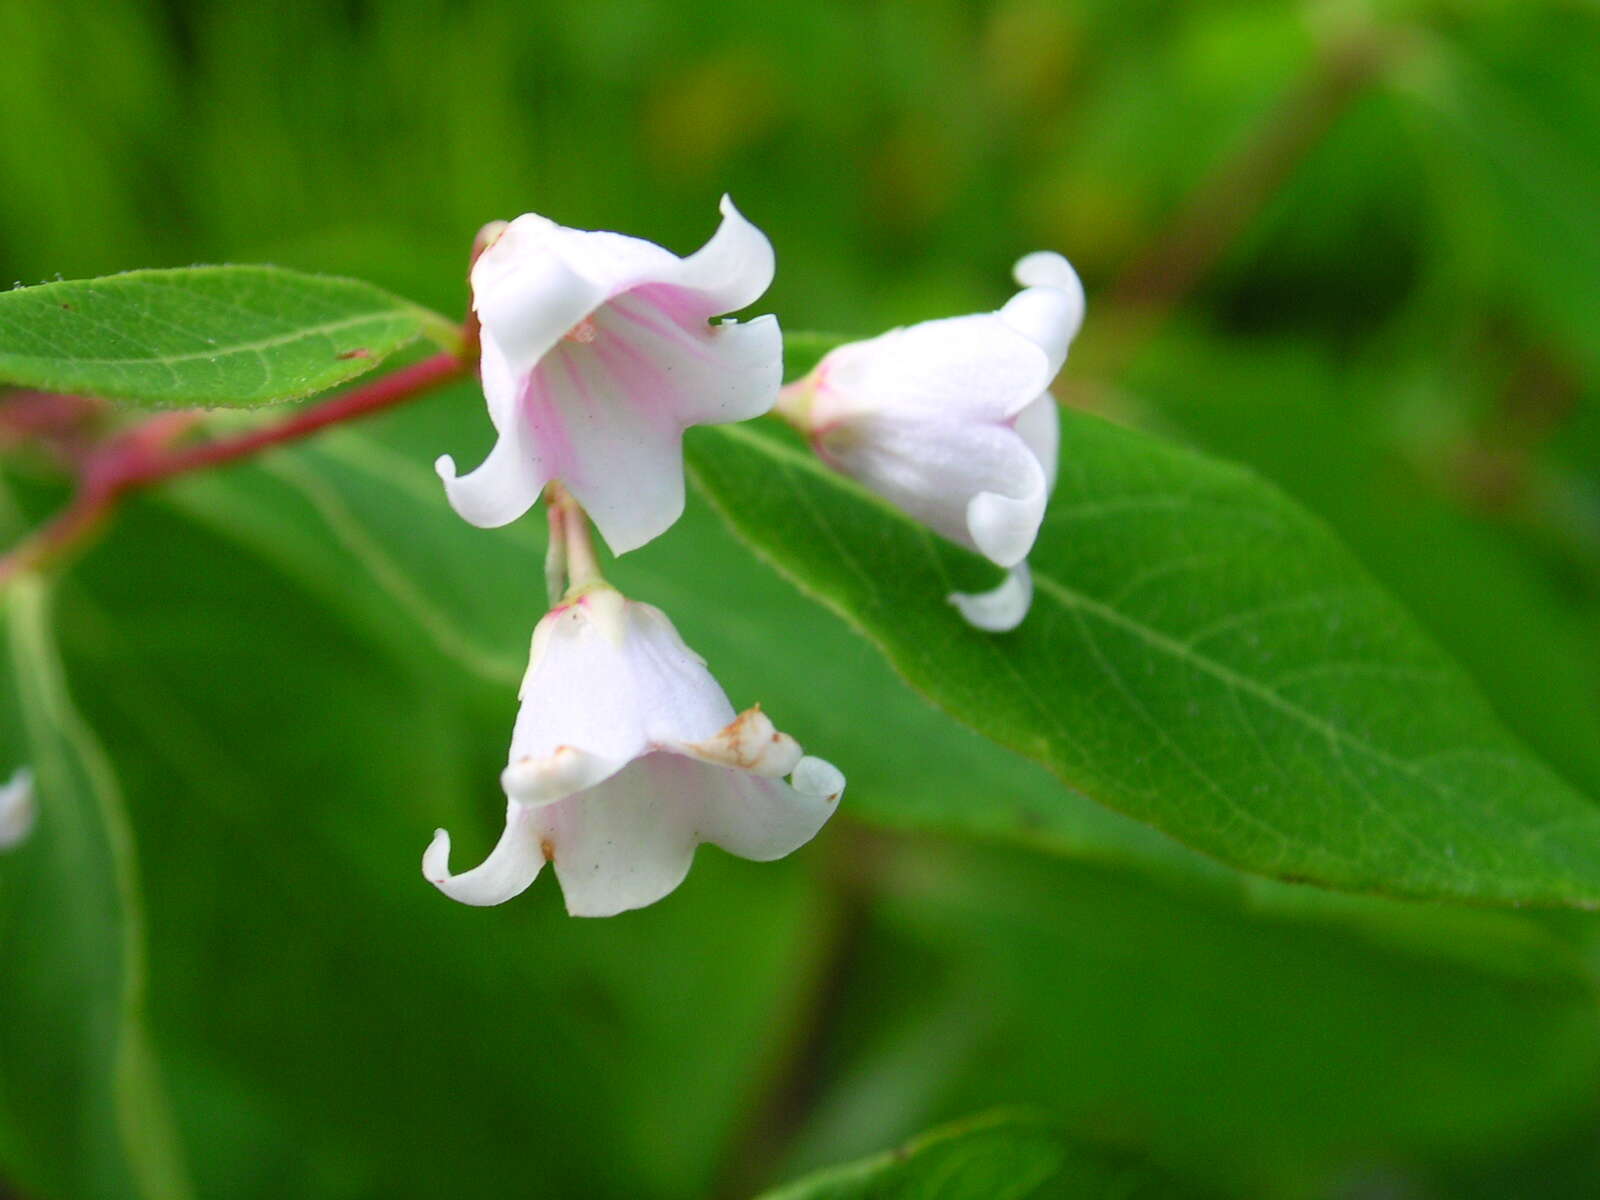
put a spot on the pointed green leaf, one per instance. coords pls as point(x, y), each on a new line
point(233, 337)
point(1491, 604)
point(82, 1116)
point(1202, 655)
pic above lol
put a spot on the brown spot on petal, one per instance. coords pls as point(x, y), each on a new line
point(548, 849)
point(748, 742)
point(582, 333)
point(731, 740)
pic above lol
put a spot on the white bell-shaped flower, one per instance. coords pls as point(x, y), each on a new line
point(18, 809)
point(950, 421)
point(625, 756)
point(597, 354)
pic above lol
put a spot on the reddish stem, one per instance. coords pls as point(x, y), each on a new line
point(382, 393)
point(138, 458)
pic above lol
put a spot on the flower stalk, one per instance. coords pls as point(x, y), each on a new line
point(571, 563)
point(794, 404)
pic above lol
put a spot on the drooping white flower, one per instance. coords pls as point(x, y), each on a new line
point(950, 421)
point(18, 809)
point(626, 754)
point(597, 354)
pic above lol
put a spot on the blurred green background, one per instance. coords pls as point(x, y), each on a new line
point(1353, 245)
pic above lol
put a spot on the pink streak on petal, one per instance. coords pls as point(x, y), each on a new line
point(682, 340)
point(580, 383)
point(680, 306)
point(641, 383)
point(547, 427)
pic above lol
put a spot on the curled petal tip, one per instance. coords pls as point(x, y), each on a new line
point(436, 858)
point(1004, 527)
point(1003, 608)
point(512, 865)
point(1054, 324)
point(817, 777)
point(1049, 318)
point(502, 488)
point(735, 267)
point(1046, 268)
point(488, 236)
point(730, 211)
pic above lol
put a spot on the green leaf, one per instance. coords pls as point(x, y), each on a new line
point(1491, 604)
point(996, 1156)
point(1201, 655)
point(233, 337)
point(1264, 1054)
point(82, 1113)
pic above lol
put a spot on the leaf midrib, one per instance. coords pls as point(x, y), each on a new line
point(304, 333)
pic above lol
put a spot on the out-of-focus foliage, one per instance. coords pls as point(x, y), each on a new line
point(72, 924)
point(1302, 1047)
point(296, 668)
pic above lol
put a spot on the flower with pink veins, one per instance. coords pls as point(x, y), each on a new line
point(597, 353)
point(625, 756)
point(950, 421)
